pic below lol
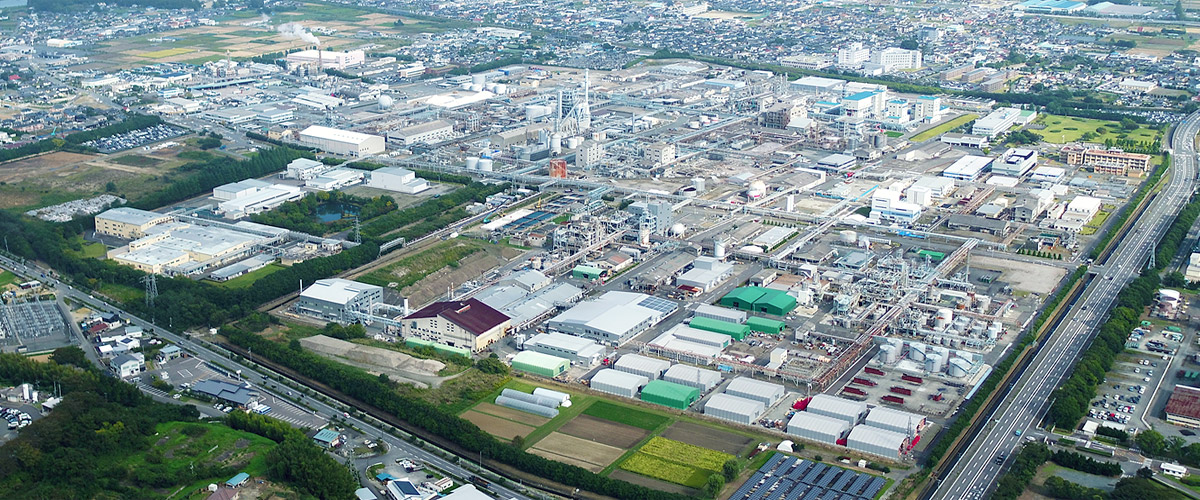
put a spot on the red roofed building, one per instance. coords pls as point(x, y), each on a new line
point(1184, 407)
point(469, 324)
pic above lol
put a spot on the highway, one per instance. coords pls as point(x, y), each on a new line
point(209, 353)
point(976, 469)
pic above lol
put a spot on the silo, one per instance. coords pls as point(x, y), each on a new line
point(698, 183)
point(849, 237)
point(958, 368)
point(719, 248)
point(472, 163)
point(977, 328)
point(994, 330)
point(790, 204)
point(982, 302)
point(879, 141)
point(465, 86)
point(490, 87)
point(501, 89)
point(474, 87)
point(556, 144)
point(574, 142)
point(935, 363)
point(485, 165)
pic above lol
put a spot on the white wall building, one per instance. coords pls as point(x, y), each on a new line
point(342, 142)
point(852, 55)
point(887, 205)
point(895, 58)
point(397, 179)
point(429, 133)
point(327, 59)
point(305, 169)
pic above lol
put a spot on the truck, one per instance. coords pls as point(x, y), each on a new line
point(863, 381)
point(873, 371)
point(912, 378)
point(901, 390)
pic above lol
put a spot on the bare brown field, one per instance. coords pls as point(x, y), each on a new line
point(707, 437)
point(40, 166)
point(496, 426)
point(576, 451)
point(511, 414)
point(603, 431)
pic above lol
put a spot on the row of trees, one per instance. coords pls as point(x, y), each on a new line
point(1154, 444)
point(1025, 465)
point(422, 415)
point(1086, 464)
point(1168, 246)
point(430, 215)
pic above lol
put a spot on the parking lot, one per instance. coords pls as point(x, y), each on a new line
point(15, 416)
point(1129, 388)
point(185, 372)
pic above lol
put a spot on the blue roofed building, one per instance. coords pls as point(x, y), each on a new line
point(238, 480)
point(1050, 6)
point(327, 438)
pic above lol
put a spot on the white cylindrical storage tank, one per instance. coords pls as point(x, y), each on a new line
point(466, 86)
point(574, 142)
point(478, 79)
point(26, 391)
point(472, 162)
point(698, 183)
point(935, 363)
point(719, 248)
point(849, 237)
point(983, 302)
point(556, 144)
point(501, 89)
point(751, 249)
point(694, 124)
point(916, 352)
point(35, 396)
point(536, 263)
point(490, 87)
point(943, 318)
point(958, 367)
point(889, 354)
point(734, 409)
point(485, 164)
point(864, 241)
point(474, 87)
point(618, 383)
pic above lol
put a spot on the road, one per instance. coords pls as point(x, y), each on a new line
point(974, 474)
point(210, 353)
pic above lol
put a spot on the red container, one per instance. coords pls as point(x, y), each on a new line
point(851, 390)
point(873, 371)
point(910, 378)
point(901, 390)
point(893, 399)
point(863, 381)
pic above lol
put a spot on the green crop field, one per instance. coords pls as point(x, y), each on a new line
point(625, 415)
point(7, 277)
point(683, 453)
point(245, 280)
point(943, 128)
point(657, 468)
point(1064, 129)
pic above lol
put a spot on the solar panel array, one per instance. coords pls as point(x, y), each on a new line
point(657, 304)
point(530, 220)
point(789, 478)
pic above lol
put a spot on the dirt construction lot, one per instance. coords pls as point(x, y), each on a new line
point(496, 426)
point(576, 451)
point(39, 166)
point(603, 431)
point(510, 414)
point(1023, 275)
point(707, 437)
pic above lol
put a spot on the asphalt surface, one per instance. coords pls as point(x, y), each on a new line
point(210, 353)
point(977, 469)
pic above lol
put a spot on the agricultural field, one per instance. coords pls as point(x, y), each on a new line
point(1065, 129)
point(502, 428)
point(577, 451)
point(943, 128)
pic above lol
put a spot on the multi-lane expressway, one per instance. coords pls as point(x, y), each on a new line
point(976, 469)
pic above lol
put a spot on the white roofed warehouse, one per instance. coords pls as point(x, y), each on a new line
point(342, 142)
point(578, 350)
point(334, 299)
point(876, 441)
point(909, 424)
point(613, 318)
point(618, 383)
point(637, 364)
point(765, 392)
point(818, 428)
point(691, 376)
point(734, 409)
point(852, 412)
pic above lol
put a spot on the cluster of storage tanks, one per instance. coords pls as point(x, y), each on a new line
point(480, 83)
point(703, 121)
point(481, 164)
point(932, 358)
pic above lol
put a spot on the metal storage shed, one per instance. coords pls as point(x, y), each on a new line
point(842, 409)
point(743, 297)
point(817, 428)
point(765, 392)
point(733, 408)
point(738, 332)
point(540, 364)
point(758, 299)
point(693, 377)
point(670, 394)
point(618, 383)
point(876, 441)
point(765, 325)
point(586, 272)
point(637, 364)
point(888, 419)
point(719, 313)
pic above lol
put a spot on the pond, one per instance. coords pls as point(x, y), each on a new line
point(330, 212)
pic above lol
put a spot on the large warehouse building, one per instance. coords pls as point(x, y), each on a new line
point(734, 409)
point(1183, 408)
point(342, 142)
point(469, 324)
point(909, 424)
point(334, 299)
point(818, 428)
point(670, 394)
point(397, 179)
point(765, 392)
point(578, 350)
point(618, 383)
point(852, 412)
point(876, 441)
point(651, 368)
point(759, 299)
point(128, 223)
point(613, 318)
point(702, 379)
point(540, 364)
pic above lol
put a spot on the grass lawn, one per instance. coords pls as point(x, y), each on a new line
point(245, 280)
point(411, 269)
point(121, 293)
point(1064, 129)
point(7, 277)
point(92, 250)
point(943, 128)
point(625, 415)
point(180, 445)
point(893, 134)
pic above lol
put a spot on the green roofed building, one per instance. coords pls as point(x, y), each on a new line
point(738, 332)
point(540, 364)
point(933, 256)
point(451, 350)
point(670, 394)
point(418, 342)
point(759, 299)
point(765, 325)
point(586, 272)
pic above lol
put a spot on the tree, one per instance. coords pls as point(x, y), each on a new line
point(714, 485)
point(1151, 442)
point(298, 461)
point(1180, 13)
point(909, 44)
point(1145, 473)
point(110, 186)
point(1174, 279)
point(518, 442)
point(71, 355)
point(730, 469)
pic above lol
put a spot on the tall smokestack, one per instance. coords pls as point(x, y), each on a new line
point(320, 61)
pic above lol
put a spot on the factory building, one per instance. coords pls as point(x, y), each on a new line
point(658, 154)
point(335, 299)
point(651, 368)
point(759, 299)
point(397, 179)
point(578, 350)
point(1114, 162)
point(524, 306)
point(876, 441)
point(1183, 408)
point(342, 142)
point(337, 178)
point(589, 155)
point(999, 121)
point(719, 313)
point(1015, 162)
point(815, 85)
point(852, 412)
point(305, 169)
point(886, 205)
point(705, 274)
point(909, 424)
point(471, 324)
point(657, 215)
point(613, 318)
point(428, 133)
point(819, 428)
point(183, 248)
point(968, 168)
point(734, 409)
point(128, 223)
point(618, 383)
point(670, 394)
point(1082, 209)
point(704, 380)
point(765, 392)
point(252, 196)
point(325, 59)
